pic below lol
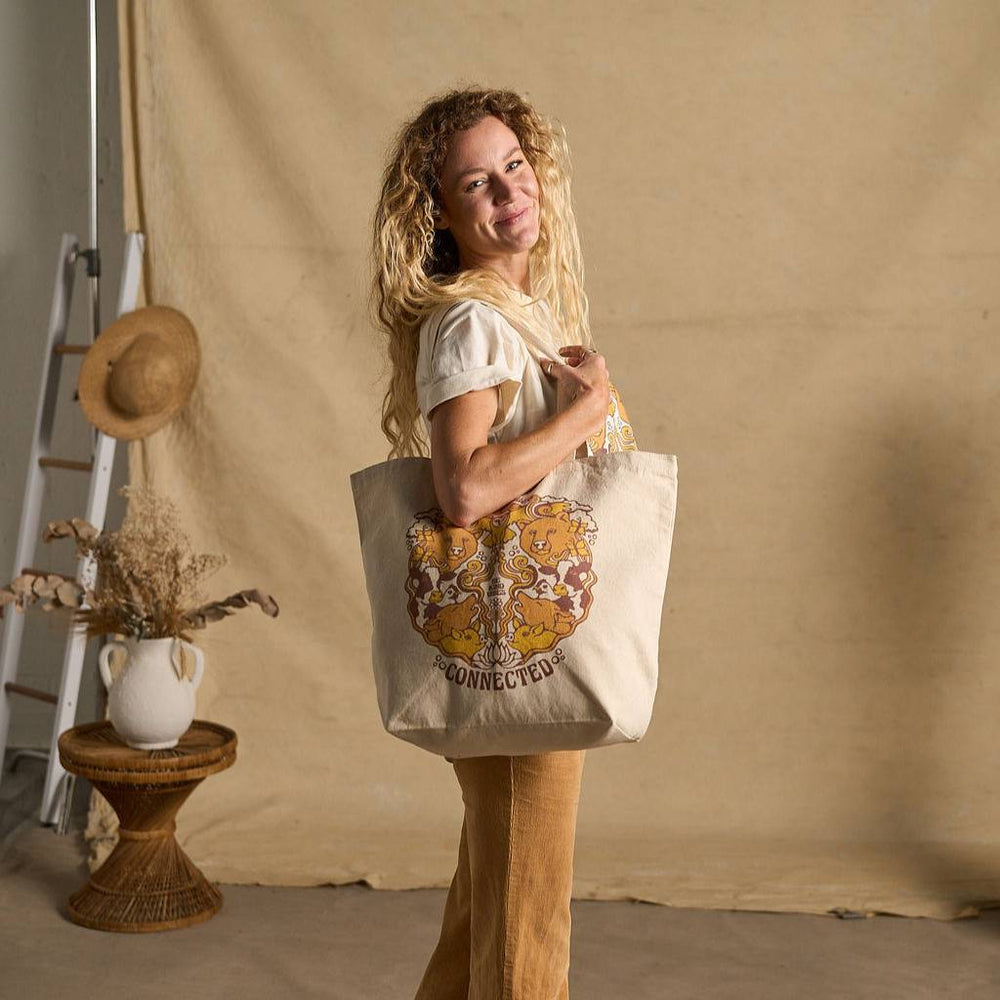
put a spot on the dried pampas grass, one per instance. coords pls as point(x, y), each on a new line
point(147, 576)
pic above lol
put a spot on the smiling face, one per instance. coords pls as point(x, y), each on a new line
point(489, 199)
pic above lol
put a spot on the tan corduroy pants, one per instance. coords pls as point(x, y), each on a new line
point(506, 928)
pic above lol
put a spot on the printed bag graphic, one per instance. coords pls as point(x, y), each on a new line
point(506, 588)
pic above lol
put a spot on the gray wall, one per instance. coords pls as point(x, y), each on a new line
point(44, 183)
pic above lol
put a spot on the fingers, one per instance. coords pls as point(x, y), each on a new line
point(578, 353)
point(560, 370)
point(575, 355)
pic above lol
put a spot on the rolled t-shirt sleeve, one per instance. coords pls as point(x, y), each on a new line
point(475, 348)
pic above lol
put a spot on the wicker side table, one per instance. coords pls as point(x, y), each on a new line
point(147, 883)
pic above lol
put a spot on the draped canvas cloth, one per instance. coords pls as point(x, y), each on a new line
point(788, 213)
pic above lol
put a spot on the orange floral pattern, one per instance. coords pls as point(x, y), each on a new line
point(617, 433)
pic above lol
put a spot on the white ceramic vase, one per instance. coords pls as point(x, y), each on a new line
point(151, 703)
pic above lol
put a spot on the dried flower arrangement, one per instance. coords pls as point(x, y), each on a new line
point(147, 576)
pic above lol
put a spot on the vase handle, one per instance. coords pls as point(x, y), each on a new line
point(104, 658)
point(199, 660)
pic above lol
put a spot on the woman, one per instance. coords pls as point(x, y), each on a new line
point(479, 288)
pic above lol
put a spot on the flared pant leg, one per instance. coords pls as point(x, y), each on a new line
point(505, 934)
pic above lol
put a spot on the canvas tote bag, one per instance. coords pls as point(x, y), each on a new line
point(537, 627)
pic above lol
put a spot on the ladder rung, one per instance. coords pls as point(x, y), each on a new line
point(71, 348)
point(31, 692)
point(66, 463)
point(45, 572)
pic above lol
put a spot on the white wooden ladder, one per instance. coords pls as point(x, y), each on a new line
point(58, 789)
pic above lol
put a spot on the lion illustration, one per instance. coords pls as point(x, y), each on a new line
point(446, 547)
point(549, 540)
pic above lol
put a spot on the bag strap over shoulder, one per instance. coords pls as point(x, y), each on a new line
point(440, 323)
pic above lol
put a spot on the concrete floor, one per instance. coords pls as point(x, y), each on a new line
point(356, 943)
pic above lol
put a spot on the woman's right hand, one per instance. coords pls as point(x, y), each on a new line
point(583, 376)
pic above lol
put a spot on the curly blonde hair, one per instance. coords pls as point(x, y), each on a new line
point(416, 266)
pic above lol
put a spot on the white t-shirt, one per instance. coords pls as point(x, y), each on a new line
point(469, 345)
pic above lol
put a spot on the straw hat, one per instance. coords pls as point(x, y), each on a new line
point(139, 372)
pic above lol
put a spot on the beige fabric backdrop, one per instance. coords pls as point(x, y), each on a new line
point(789, 217)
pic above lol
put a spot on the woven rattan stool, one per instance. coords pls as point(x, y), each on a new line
point(147, 883)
